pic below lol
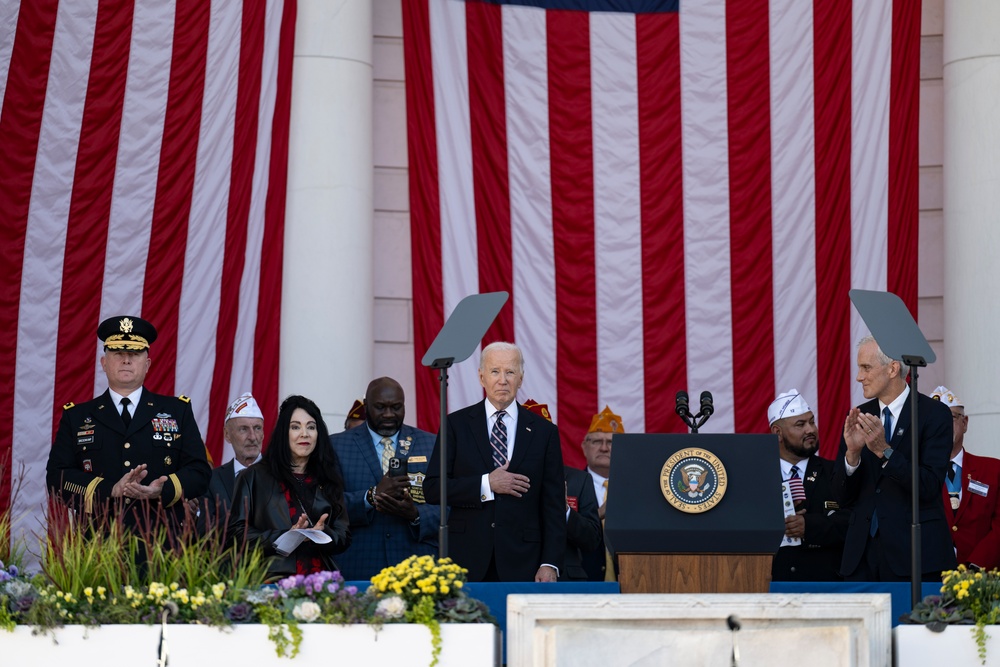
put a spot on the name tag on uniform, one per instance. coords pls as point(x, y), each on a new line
point(417, 459)
point(979, 488)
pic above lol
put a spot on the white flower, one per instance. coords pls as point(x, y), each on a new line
point(392, 607)
point(306, 612)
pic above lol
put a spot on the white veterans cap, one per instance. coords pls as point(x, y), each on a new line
point(244, 406)
point(944, 395)
point(788, 404)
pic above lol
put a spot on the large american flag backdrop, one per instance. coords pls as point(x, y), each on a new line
point(144, 156)
point(677, 195)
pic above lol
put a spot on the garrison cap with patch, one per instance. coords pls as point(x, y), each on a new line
point(125, 332)
point(787, 404)
point(606, 421)
point(540, 409)
point(946, 396)
point(357, 410)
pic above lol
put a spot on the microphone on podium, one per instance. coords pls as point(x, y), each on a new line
point(707, 407)
point(682, 404)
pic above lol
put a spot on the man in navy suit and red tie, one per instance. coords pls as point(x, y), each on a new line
point(872, 475)
point(970, 494)
point(506, 487)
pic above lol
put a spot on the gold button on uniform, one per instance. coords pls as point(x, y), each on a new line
point(954, 529)
point(128, 463)
point(127, 445)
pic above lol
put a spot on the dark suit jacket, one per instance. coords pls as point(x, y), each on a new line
point(93, 450)
point(214, 505)
point(596, 562)
point(260, 516)
point(583, 526)
point(976, 523)
point(379, 540)
point(520, 533)
point(887, 489)
point(818, 557)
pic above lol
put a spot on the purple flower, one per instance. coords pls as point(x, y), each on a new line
point(23, 604)
point(241, 612)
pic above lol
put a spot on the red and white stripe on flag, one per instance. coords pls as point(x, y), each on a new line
point(797, 489)
point(145, 154)
point(675, 199)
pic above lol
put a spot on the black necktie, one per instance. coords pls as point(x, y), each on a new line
point(126, 417)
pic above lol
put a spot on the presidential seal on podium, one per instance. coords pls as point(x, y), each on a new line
point(693, 480)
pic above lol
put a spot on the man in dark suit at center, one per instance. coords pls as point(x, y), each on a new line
point(872, 475)
point(506, 487)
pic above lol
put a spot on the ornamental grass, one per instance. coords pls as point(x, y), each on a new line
point(99, 571)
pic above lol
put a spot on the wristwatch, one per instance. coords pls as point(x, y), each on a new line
point(887, 453)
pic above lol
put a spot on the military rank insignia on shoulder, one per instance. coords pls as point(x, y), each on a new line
point(184, 398)
point(69, 405)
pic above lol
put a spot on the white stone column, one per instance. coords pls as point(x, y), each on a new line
point(972, 213)
point(327, 305)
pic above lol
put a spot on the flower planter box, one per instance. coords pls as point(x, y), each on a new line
point(915, 645)
point(463, 645)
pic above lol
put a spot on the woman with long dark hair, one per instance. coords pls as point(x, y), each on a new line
point(295, 485)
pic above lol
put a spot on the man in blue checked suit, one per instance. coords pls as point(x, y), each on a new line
point(389, 518)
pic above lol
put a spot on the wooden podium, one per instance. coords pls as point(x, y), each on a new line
point(694, 573)
point(725, 549)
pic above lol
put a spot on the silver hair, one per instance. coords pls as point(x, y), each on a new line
point(501, 346)
point(882, 357)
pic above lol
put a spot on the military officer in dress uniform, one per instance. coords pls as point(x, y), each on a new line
point(140, 450)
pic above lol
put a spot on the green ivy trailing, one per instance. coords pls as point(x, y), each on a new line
point(424, 612)
point(285, 633)
point(968, 596)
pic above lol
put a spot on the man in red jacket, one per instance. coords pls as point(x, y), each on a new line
point(970, 493)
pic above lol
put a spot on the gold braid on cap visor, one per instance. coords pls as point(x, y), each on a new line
point(119, 342)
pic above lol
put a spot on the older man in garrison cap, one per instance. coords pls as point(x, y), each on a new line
point(584, 534)
point(815, 525)
point(597, 448)
point(970, 493)
point(129, 447)
point(244, 431)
